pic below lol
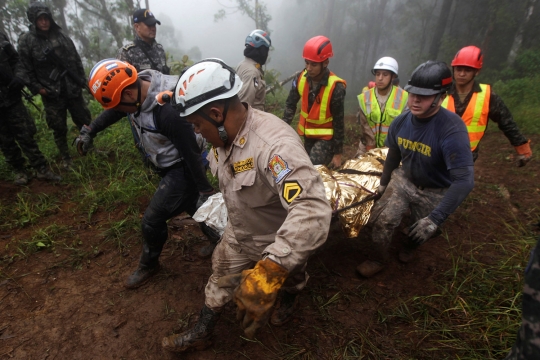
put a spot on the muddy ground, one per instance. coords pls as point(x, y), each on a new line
point(56, 305)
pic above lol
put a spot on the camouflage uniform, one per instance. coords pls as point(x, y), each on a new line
point(17, 129)
point(527, 344)
point(63, 93)
point(321, 151)
point(498, 112)
point(154, 58)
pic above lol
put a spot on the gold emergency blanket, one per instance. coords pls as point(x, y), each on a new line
point(355, 181)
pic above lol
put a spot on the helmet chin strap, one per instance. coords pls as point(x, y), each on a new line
point(436, 100)
point(220, 127)
point(136, 103)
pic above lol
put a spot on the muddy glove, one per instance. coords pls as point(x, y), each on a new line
point(524, 153)
point(422, 230)
point(85, 141)
point(16, 85)
point(203, 197)
point(255, 293)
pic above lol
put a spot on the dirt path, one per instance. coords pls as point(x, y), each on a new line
point(60, 305)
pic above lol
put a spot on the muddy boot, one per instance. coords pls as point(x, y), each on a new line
point(285, 308)
point(196, 338)
point(369, 268)
point(148, 267)
point(20, 178)
point(44, 173)
point(213, 237)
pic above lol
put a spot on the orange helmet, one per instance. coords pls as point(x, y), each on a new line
point(318, 49)
point(371, 84)
point(470, 56)
point(107, 80)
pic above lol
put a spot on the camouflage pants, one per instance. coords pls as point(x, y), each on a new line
point(320, 152)
point(56, 115)
point(230, 257)
point(527, 344)
point(400, 196)
point(17, 130)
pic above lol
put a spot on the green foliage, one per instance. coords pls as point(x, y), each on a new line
point(256, 12)
point(522, 96)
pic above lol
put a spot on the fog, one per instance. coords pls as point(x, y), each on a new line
point(361, 31)
point(195, 22)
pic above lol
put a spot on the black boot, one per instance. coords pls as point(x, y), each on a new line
point(148, 267)
point(196, 338)
point(285, 307)
point(213, 237)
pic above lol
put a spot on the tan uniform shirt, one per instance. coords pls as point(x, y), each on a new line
point(253, 90)
point(275, 198)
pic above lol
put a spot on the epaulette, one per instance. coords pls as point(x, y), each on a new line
point(128, 46)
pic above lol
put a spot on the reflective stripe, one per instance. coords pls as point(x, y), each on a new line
point(318, 122)
point(380, 121)
point(476, 114)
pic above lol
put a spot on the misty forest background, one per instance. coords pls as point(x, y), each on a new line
point(412, 31)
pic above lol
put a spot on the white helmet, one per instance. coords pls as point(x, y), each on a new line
point(206, 81)
point(386, 63)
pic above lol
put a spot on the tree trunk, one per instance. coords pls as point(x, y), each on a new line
point(518, 39)
point(379, 18)
point(439, 29)
point(329, 15)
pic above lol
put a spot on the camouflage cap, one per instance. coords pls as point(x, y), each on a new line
point(145, 16)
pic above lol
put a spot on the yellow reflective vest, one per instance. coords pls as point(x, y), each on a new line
point(380, 122)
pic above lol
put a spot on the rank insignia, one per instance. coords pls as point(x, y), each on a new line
point(243, 165)
point(214, 150)
point(291, 190)
point(278, 167)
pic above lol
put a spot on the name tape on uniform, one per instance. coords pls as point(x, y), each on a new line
point(243, 165)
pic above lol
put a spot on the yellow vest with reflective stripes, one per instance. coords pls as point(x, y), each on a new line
point(380, 122)
point(476, 114)
point(317, 124)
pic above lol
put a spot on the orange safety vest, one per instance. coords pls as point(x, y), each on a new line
point(475, 116)
point(317, 124)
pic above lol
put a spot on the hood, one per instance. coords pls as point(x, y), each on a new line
point(37, 9)
point(158, 83)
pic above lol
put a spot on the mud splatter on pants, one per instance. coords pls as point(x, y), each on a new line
point(230, 257)
point(400, 195)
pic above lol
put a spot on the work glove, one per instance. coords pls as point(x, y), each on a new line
point(255, 293)
point(203, 197)
point(524, 154)
point(422, 230)
point(16, 85)
point(85, 141)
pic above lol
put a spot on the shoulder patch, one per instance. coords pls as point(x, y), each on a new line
point(291, 190)
point(128, 46)
point(278, 167)
point(243, 165)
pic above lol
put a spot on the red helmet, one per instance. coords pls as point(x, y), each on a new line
point(470, 56)
point(318, 49)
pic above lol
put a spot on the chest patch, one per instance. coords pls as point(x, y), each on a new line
point(278, 167)
point(291, 190)
point(243, 165)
